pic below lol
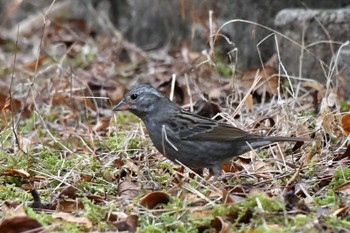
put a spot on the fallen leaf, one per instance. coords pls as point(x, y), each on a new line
point(96, 199)
point(67, 205)
point(116, 94)
point(68, 192)
point(11, 209)
point(154, 199)
point(232, 167)
point(102, 124)
point(71, 218)
point(269, 82)
point(20, 224)
point(341, 212)
point(346, 154)
point(35, 63)
point(86, 177)
point(345, 123)
point(17, 172)
point(206, 109)
point(249, 103)
point(343, 188)
point(219, 225)
point(178, 94)
point(226, 198)
point(128, 224)
point(128, 190)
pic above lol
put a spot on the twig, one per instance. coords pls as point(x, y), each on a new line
point(293, 178)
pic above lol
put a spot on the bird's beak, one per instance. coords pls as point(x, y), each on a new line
point(121, 106)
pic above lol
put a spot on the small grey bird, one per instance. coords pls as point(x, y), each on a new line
point(193, 140)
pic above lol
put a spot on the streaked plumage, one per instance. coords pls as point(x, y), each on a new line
point(193, 140)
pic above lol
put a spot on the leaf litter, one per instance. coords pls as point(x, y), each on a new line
point(88, 169)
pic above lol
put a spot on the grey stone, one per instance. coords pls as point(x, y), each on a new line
point(320, 48)
point(158, 23)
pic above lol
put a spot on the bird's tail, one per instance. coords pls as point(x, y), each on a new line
point(265, 141)
point(289, 139)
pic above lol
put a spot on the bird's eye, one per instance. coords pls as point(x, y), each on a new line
point(134, 96)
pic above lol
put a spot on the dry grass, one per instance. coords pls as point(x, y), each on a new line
point(90, 170)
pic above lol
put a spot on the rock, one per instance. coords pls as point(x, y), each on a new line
point(317, 44)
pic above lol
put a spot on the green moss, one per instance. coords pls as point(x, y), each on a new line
point(337, 223)
point(328, 198)
point(123, 140)
point(123, 119)
point(220, 210)
point(344, 106)
point(70, 228)
point(5, 138)
point(341, 175)
point(95, 212)
point(10, 192)
point(16, 161)
point(43, 218)
point(224, 69)
point(151, 228)
point(174, 217)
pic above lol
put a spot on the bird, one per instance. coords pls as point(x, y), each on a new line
point(187, 138)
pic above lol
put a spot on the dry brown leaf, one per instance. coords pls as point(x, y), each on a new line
point(116, 216)
point(178, 95)
point(236, 191)
point(344, 211)
point(67, 205)
point(345, 123)
point(102, 124)
point(318, 87)
point(249, 103)
point(86, 177)
point(11, 209)
point(128, 190)
point(153, 199)
point(268, 83)
point(17, 172)
point(193, 199)
point(68, 192)
point(128, 224)
point(263, 121)
point(13, 105)
point(226, 198)
point(35, 63)
point(84, 221)
point(342, 84)
point(97, 199)
point(346, 154)
point(261, 169)
point(206, 109)
point(116, 94)
point(118, 163)
point(343, 188)
point(20, 224)
point(326, 114)
point(219, 225)
point(232, 167)
point(27, 186)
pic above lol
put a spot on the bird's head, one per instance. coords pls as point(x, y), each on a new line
point(141, 100)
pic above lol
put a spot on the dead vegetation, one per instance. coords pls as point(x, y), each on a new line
point(68, 164)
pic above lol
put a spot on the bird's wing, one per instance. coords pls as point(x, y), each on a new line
point(194, 127)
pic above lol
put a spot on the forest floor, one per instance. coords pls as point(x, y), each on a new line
point(68, 163)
